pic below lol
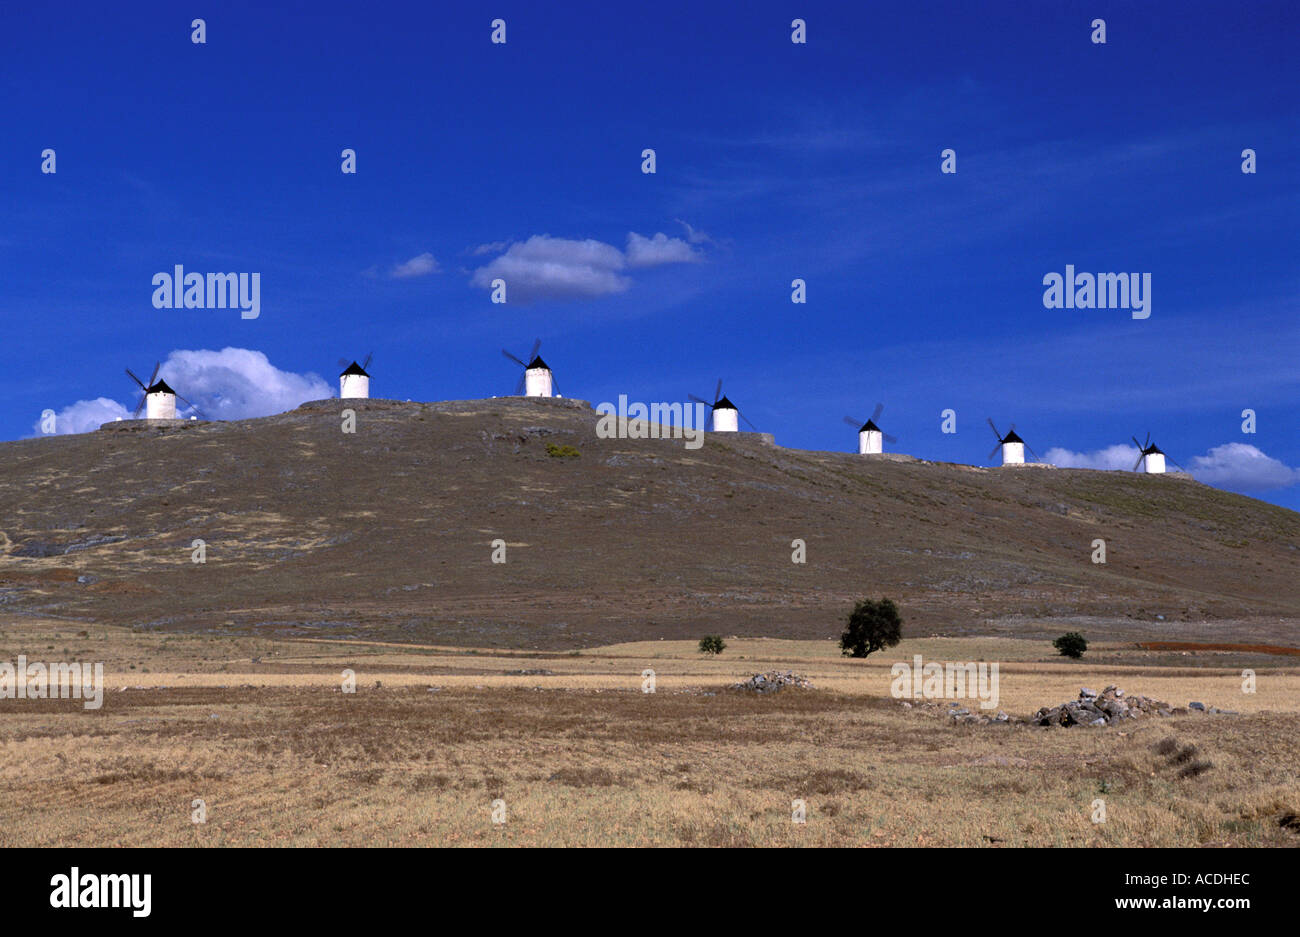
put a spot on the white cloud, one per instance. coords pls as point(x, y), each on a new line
point(660, 249)
point(419, 266)
point(545, 267)
point(1241, 467)
point(1235, 466)
point(85, 416)
point(230, 384)
point(1112, 458)
point(692, 235)
point(239, 383)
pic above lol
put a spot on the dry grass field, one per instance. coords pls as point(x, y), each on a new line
point(521, 681)
point(261, 732)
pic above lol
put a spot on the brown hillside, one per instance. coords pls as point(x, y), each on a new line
point(387, 532)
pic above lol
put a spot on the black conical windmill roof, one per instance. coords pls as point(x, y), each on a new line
point(1153, 449)
point(870, 427)
point(725, 404)
point(1011, 437)
point(355, 369)
point(537, 362)
point(159, 387)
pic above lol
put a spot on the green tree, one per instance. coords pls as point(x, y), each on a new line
point(1071, 644)
point(872, 626)
point(712, 644)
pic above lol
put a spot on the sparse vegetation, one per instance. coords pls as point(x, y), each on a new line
point(712, 644)
point(283, 758)
point(561, 452)
point(1071, 644)
point(872, 626)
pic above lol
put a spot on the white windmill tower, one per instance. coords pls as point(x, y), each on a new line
point(157, 399)
point(871, 438)
point(1151, 458)
point(537, 380)
point(1012, 446)
point(725, 416)
point(354, 381)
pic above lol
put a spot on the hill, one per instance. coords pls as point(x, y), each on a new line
point(387, 532)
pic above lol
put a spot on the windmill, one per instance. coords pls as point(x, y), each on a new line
point(1151, 458)
point(724, 413)
point(871, 438)
point(157, 399)
point(1013, 447)
point(537, 379)
point(354, 380)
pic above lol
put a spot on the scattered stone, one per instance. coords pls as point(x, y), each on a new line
point(1093, 709)
point(772, 681)
point(1199, 707)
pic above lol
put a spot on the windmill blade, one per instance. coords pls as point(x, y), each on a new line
point(135, 415)
point(699, 400)
point(365, 365)
point(344, 362)
point(153, 377)
point(995, 431)
point(131, 375)
point(876, 415)
point(1138, 444)
point(746, 419)
point(1148, 442)
point(191, 406)
point(513, 358)
point(856, 424)
point(717, 394)
point(519, 388)
point(993, 451)
point(537, 346)
point(555, 385)
point(1032, 453)
point(890, 439)
point(1013, 428)
point(1175, 464)
point(1138, 463)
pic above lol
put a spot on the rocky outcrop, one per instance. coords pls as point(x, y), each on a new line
point(773, 681)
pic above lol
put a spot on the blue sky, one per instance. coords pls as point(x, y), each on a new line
point(774, 161)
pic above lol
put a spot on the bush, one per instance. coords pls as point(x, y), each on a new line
point(1071, 644)
point(872, 626)
point(561, 452)
point(712, 644)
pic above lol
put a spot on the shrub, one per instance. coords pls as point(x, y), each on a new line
point(712, 644)
point(872, 626)
point(1071, 644)
point(561, 452)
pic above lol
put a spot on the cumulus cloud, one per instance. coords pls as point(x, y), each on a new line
point(230, 384)
point(1112, 458)
point(660, 249)
point(1235, 466)
point(418, 266)
point(239, 383)
point(85, 416)
point(1241, 467)
point(545, 267)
